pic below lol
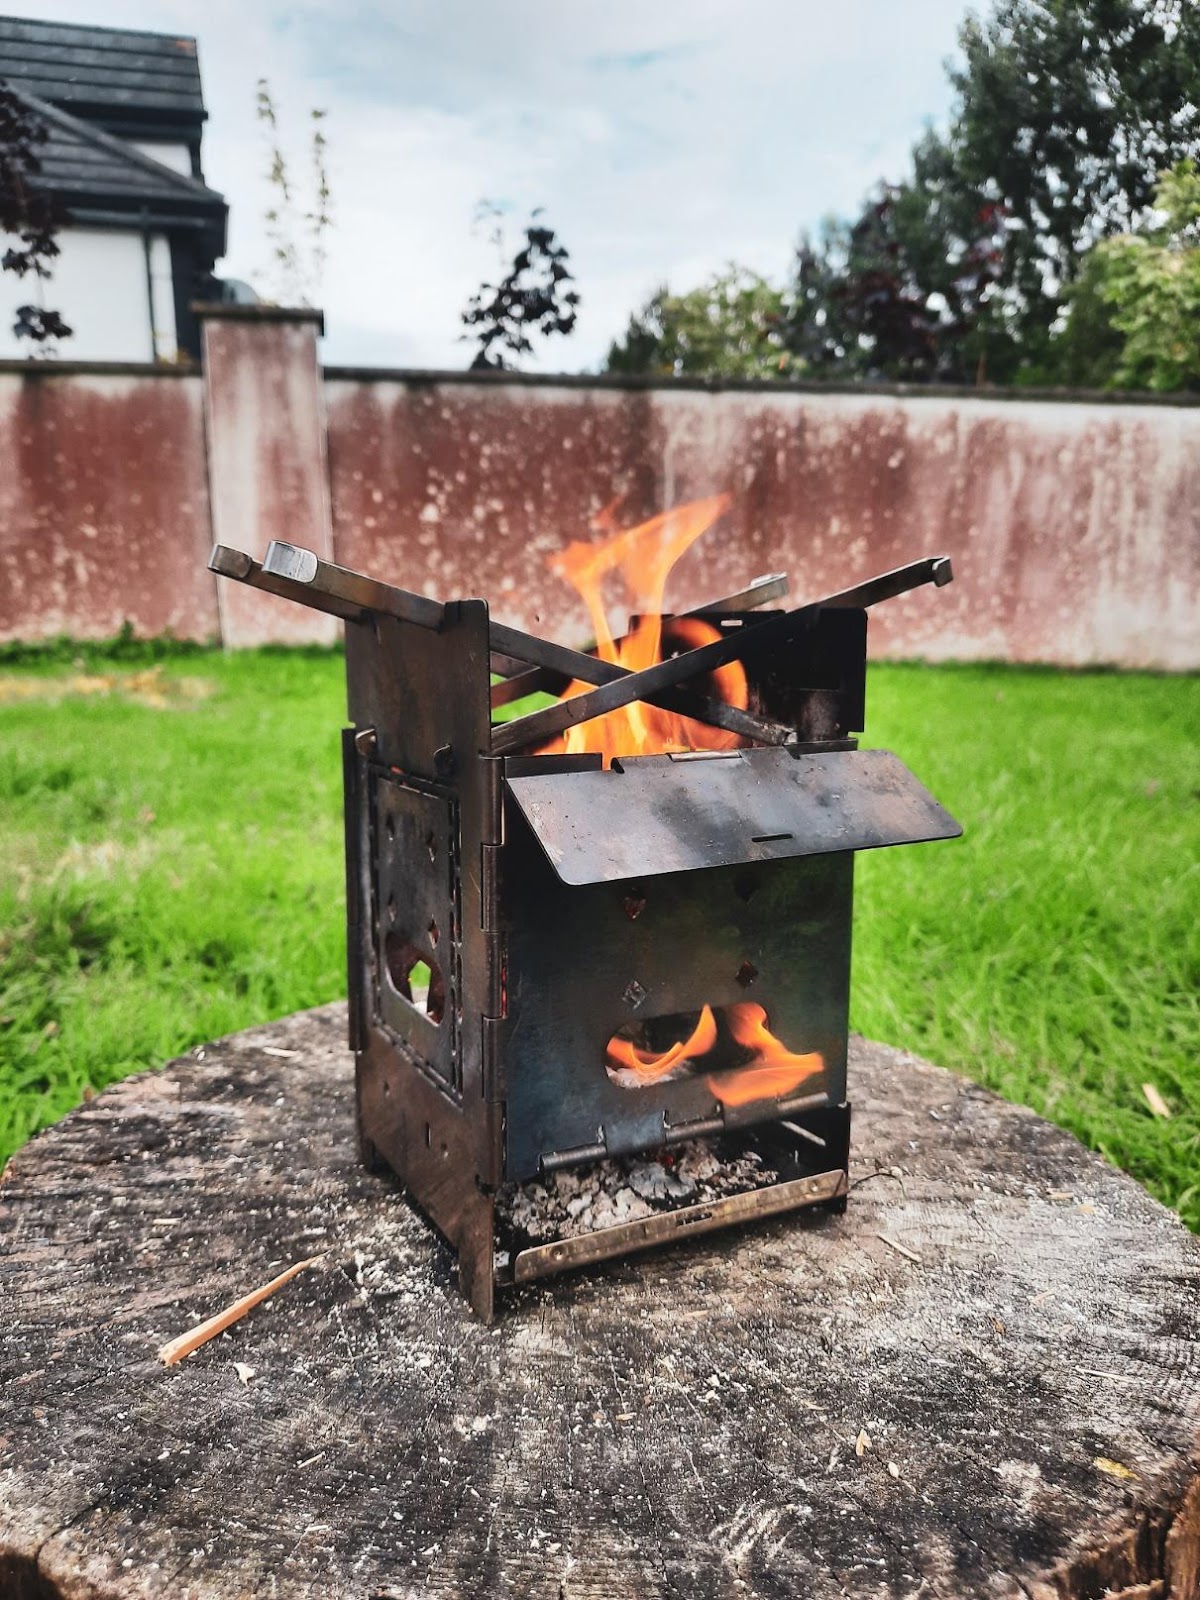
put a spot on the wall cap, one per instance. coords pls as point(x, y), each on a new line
point(212, 311)
point(430, 377)
point(31, 367)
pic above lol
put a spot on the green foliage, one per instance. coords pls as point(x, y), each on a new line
point(966, 270)
point(173, 870)
point(1085, 351)
point(1066, 112)
point(733, 326)
point(1151, 282)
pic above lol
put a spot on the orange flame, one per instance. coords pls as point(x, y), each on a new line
point(643, 557)
point(646, 1067)
point(776, 1072)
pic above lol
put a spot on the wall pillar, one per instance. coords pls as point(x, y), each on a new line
point(268, 468)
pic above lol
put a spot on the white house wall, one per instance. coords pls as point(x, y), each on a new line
point(176, 156)
point(99, 287)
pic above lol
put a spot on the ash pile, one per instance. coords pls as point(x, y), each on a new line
point(571, 1203)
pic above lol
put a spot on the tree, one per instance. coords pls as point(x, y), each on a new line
point(534, 297)
point(299, 216)
point(872, 301)
point(733, 326)
point(1151, 281)
point(1066, 112)
point(27, 214)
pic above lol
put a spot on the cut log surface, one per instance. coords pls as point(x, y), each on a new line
point(983, 1380)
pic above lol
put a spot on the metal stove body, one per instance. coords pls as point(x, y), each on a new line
point(556, 903)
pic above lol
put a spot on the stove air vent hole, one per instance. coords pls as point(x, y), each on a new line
point(746, 974)
point(745, 886)
point(415, 976)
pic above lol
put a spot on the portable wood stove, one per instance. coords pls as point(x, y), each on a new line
point(621, 961)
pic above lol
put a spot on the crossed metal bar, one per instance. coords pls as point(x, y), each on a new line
point(519, 683)
point(300, 575)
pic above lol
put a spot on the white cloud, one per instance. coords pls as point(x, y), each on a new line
point(662, 139)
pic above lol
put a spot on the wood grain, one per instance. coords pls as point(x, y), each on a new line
point(804, 1409)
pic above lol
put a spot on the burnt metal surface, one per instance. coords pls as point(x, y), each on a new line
point(584, 961)
point(423, 820)
point(660, 814)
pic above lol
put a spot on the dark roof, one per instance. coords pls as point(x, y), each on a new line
point(103, 180)
point(113, 74)
point(80, 162)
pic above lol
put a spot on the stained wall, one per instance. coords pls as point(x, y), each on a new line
point(1074, 527)
point(104, 515)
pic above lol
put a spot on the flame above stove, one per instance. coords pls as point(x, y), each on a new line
point(643, 557)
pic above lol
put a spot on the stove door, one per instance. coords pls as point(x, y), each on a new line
point(650, 815)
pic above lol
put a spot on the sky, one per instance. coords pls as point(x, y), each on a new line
point(663, 138)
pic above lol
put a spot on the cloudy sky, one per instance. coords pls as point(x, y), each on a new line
point(663, 138)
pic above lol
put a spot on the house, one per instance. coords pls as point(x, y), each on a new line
point(124, 117)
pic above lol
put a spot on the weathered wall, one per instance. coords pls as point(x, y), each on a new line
point(103, 505)
point(1074, 527)
point(267, 462)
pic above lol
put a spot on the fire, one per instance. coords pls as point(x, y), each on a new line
point(643, 557)
point(773, 1072)
point(776, 1071)
point(646, 1067)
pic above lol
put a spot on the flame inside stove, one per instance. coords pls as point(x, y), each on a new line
point(768, 1069)
point(643, 557)
point(774, 1070)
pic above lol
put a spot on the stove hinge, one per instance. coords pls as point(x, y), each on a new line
point(494, 974)
point(358, 908)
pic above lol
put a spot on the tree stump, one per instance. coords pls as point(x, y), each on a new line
point(983, 1380)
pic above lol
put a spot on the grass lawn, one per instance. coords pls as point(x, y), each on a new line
point(170, 870)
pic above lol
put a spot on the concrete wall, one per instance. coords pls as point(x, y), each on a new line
point(268, 468)
point(103, 505)
point(1074, 526)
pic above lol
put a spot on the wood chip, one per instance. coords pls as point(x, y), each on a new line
point(1155, 1101)
point(893, 1469)
point(863, 1443)
point(176, 1349)
point(1114, 1469)
point(244, 1372)
point(901, 1249)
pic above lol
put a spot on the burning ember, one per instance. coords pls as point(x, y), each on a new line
point(644, 557)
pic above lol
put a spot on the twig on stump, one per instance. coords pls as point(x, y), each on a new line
point(183, 1346)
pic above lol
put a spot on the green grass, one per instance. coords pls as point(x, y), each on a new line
point(170, 869)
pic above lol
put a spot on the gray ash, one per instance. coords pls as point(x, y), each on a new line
point(568, 1204)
